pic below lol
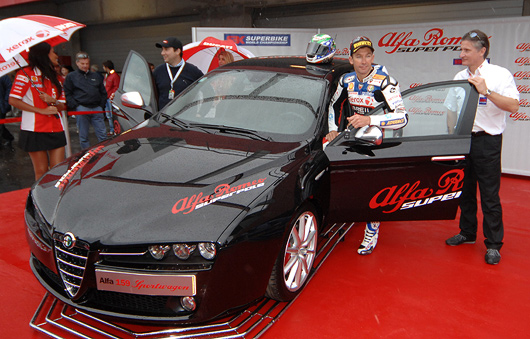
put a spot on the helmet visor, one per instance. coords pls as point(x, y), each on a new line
point(314, 48)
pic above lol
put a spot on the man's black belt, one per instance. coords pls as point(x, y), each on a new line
point(479, 134)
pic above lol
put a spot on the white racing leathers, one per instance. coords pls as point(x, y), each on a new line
point(360, 96)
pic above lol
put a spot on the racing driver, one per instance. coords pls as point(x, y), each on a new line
point(358, 87)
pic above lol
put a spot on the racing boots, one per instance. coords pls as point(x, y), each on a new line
point(371, 233)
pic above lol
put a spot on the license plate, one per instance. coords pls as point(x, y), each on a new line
point(146, 284)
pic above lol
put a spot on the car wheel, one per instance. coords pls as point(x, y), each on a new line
point(295, 261)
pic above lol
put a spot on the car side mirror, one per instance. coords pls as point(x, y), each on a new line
point(368, 135)
point(132, 100)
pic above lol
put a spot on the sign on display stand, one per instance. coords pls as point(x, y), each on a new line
point(417, 54)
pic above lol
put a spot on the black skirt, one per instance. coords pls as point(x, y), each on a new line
point(37, 141)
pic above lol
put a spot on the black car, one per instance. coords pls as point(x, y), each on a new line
point(222, 196)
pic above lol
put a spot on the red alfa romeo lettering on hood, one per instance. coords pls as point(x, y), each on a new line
point(412, 195)
point(223, 191)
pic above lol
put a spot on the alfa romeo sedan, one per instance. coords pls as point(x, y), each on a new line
point(222, 196)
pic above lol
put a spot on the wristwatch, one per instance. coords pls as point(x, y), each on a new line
point(488, 92)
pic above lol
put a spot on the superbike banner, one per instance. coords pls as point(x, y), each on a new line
point(416, 54)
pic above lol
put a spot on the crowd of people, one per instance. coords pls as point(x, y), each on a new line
point(45, 89)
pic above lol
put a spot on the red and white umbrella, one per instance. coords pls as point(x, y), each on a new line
point(21, 33)
point(204, 54)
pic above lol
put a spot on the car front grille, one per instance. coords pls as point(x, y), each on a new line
point(71, 264)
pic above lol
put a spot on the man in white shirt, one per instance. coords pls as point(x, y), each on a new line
point(498, 96)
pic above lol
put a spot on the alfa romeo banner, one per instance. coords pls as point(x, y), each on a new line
point(416, 54)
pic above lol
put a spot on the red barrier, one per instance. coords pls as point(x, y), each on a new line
point(10, 120)
point(70, 113)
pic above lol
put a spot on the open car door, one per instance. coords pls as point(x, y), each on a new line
point(417, 172)
point(136, 77)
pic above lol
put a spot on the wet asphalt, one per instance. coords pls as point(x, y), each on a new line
point(16, 170)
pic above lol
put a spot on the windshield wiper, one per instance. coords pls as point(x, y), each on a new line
point(234, 130)
point(174, 120)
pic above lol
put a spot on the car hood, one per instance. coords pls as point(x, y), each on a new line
point(160, 184)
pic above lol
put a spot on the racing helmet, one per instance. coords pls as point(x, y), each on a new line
point(320, 49)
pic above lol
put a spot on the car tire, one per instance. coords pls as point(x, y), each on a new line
point(296, 258)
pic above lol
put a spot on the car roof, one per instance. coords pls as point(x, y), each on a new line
point(293, 65)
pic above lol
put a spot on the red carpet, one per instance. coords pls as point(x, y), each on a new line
point(412, 286)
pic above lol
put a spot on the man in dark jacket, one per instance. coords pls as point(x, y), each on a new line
point(175, 74)
point(85, 92)
point(5, 87)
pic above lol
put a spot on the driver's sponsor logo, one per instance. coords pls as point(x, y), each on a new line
point(392, 122)
point(361, 100)
point(350, 79)
point(22, 78)
point(260, 39)
point(414, 195)
point(221, 192)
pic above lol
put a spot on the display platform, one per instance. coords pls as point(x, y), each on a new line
point(412, 286)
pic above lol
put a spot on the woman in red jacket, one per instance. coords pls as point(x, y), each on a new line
point(38, 93)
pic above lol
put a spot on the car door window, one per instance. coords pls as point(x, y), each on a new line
point(137, 78)
point(432, 111)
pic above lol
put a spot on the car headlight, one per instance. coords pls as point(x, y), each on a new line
point(207, 250)
point(183, 251)
point(159, 251)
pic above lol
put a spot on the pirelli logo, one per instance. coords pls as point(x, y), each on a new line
point(362, 43)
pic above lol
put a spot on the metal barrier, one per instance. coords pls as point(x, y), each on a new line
point(56, 319)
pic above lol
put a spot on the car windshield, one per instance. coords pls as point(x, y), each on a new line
point(277, 106)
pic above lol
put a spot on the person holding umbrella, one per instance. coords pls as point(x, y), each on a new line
point(38, 93)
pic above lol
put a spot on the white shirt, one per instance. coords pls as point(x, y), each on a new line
point(490, 118)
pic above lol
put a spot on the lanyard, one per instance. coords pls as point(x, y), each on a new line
point(176, 75)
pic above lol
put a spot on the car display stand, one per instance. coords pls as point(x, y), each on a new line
point(58, 320)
